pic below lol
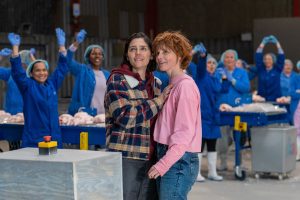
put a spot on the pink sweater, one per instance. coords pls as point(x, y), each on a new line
point(179, 123)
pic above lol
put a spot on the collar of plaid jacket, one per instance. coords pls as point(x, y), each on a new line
point(125, 70)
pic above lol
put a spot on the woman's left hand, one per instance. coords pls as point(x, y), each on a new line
point(153, 173)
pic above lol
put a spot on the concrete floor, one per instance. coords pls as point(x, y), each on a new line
point(265, 188)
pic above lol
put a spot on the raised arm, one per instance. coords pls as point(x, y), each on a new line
point(75, 67)
point(280, 55)
point(198, 71)
point(61, 40)
point(17, 71)
point(5, 72)
point(259, 55)
point(59, 73)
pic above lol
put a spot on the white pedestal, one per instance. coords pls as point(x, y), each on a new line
point(69, 174)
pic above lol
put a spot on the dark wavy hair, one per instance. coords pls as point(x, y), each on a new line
point(152, 64)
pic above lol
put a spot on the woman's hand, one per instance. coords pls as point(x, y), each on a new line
point(80, 36)
point(165, 94)
point(15, 41)
point(5, 52)
point(61, 37)
point(153, 173)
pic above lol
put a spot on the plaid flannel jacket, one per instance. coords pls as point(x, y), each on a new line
point(128, 112)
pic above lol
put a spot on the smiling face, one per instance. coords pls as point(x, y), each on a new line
point(138, 54)
point(39, 72)
point(166, 59)
point(96, 58)
point(288, 67)
point(229, 61)
point(268, 61)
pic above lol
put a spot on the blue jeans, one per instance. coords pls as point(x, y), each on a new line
point(179, 179)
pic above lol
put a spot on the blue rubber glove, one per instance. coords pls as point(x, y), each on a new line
point(61, 36)
point(265, 40)
point(273, 39)
point(14, 39)
point(229, 75)
point(202, 49)
point(197, 48)
point(5, 52)
point(32, 51)
point(81, 36)
point(298, 65)
point(220, 71)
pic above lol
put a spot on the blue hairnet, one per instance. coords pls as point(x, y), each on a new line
point(298, 65)
point(29, 68)
point(273, 57)
point(210, 57)
point(229, 51)
point(288, 61)
point(88, 51)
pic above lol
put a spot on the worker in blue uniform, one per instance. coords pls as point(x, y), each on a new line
point(90, 77)
point(239, 89)
point(294, 92)
point(269, 69)
point(39, 94)
point(286, 77)
point(210, 84)
point(238, 94)
point(13, 102)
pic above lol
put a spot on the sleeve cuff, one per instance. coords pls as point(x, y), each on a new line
point(160, 168)
point(15, 56)
point(72, 48)
point(259, 50)
point(233, 81)
point(280, 51)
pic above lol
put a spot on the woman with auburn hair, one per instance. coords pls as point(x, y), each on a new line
point(178, 126)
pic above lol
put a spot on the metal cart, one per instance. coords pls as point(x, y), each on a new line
point(241, 121)
point(274, 150)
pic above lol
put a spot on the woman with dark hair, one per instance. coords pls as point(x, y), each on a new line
point(89, 77)
point(132, 101)
point(39, 92)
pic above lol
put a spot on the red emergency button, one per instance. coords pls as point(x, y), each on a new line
point(47, 138)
